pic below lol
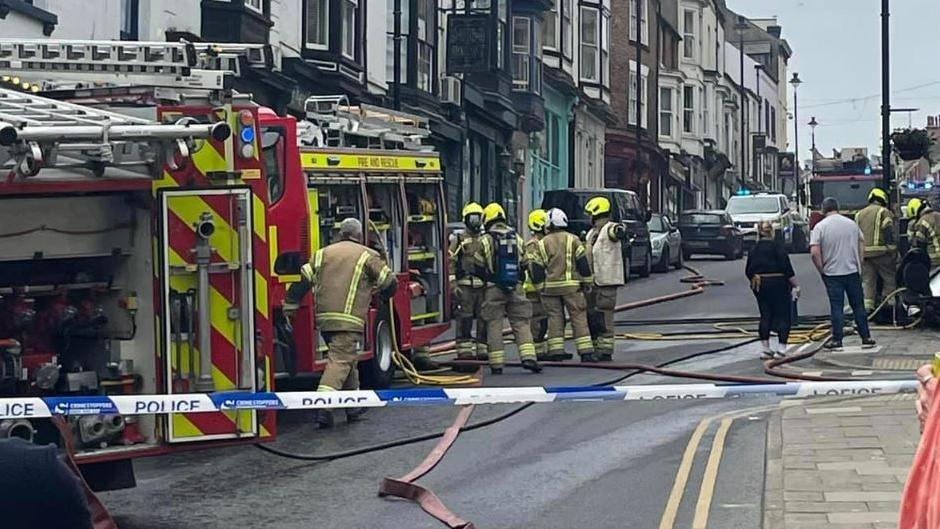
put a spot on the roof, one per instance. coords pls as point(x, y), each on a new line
point(703, 212)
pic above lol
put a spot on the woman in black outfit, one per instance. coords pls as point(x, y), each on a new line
point(774, 284)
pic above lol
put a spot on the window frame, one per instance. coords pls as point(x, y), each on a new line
point(688, 112)
point(347, 36)
point(585, 44)
point(325, 46)
point(522, 54)
point(666, 114)
point(644, 22)
point(250, 5)
point(689, 35)
point(567, 37)
point(550, 27)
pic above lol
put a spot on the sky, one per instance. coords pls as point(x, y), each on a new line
point(837, 52)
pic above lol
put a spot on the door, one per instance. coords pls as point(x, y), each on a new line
point(207, 287)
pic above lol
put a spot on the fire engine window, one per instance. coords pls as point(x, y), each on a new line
point(385, 222)
point(425, 255)
point(337, 203)
point(272, 149)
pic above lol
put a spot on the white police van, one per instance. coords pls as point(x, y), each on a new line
point(749, 210)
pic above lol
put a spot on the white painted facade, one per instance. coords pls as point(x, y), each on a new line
point(589, 139)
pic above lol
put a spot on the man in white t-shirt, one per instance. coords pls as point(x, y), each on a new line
point(837, 246)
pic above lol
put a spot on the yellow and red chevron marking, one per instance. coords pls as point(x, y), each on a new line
point(183, 212)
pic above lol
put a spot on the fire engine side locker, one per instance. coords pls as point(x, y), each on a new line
point(231, 306)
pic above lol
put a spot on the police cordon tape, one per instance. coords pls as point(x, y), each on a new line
point(42, 407)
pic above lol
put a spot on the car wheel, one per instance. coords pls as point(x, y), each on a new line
point(680, 260)
point(663, 264)
point(686, 255)
point(648, 266)
point(378, 372)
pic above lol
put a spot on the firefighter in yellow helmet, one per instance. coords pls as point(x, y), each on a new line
point(538, 220)
point(502, 262)
point(927, 233)
point(880, 260)
point(467, 286)
point(343, 276)
point(913, 209)
point(561, 262)
point(605, 254)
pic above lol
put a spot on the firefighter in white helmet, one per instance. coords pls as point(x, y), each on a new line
point(562, 262)
point(605, 253)
point(343, 277)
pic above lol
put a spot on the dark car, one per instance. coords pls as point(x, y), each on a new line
point(625, 208)
point(710, 232)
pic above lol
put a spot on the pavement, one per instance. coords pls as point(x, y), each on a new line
point(655, 464)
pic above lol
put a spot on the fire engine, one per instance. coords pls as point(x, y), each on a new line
point(848, 177)
point(197, 219)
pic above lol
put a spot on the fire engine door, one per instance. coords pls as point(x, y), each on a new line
point(207, 290)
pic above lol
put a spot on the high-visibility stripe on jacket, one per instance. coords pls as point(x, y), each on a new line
point(877, 225)
point(531, 250)
point(558, 253)
point(927, 232)
point(343, 276)
point(461, 266)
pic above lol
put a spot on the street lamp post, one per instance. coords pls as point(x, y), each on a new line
point(885, 99)
point(741, 26)
point(795, 82)
point(812, 126)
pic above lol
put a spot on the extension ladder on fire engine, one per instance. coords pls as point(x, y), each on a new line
point(339, 124)
point(37, 132)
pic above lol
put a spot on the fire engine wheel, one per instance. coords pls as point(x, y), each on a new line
point(377, 373)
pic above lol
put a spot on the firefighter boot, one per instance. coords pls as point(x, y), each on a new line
point(532, 365)
point(324, 418)
point(355, 414)
point(421, 359)
point(588, 358)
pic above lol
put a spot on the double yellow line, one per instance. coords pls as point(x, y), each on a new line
point(707, 488)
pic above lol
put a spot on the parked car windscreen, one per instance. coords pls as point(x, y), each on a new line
point(700, 218)
point(657, 225)
point(739, 205)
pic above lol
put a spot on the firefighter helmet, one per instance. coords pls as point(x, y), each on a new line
point(597, 206)
point(493, 212)
point(878, 194)
point(472, 208)
point(557, 218)
point(537, 220)
point(914, 207)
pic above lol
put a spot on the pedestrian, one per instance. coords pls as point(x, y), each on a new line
point(538, 221)
point(605, 255)
point(775, 286)
point(879, 262)
point(343, 277)
point(926, 233)
point(466, 285)
point(37, 490)
point(502, 261)
point(836, 246)
point(562, 261)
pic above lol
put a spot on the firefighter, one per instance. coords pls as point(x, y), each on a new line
point(879, 262)
point(562, 262)
point(343, 276)
point(467, 286)
point(605, 254)
point(914, 208)
point(538, 220)
point(501, 261)
point(926, 233)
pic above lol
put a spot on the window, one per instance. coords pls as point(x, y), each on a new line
point(773, 124)
point(255, 5)
point(665, 112)
point(701, 118)
point(317, 24)
point(130, 10)
point(521, 50)
point(272, 149)
point(567, 34)
point(706, 104)
point(605, 47)
point(350, 11)
point(631, 112)
point(424, 13)
point(550, 29)
point(688, 109)
point(688, 34)
point(766, 116)
point(590, 58)
point(643, 8)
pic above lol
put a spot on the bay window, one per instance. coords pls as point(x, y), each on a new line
point(567, 33)
point(688, 109)
point(317, 24)
point(550, 29)
point(605, 46)
point(665, 112)
point(526, 54)
point(350, 17)
point(590, 39)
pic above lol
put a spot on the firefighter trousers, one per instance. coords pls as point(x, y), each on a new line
point(469, 311)
point(341, 371)
point(538, 324)
point(499, 304)
point(873, 268)
point(603, 303)
point(576, 306)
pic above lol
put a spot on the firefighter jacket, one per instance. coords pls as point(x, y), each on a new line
point(484, 260)
point(877, 225)
point(605, 254)
point(531, 250)
point(927, 234)
point(463, 247)
point(562, 260)
point(343, 276)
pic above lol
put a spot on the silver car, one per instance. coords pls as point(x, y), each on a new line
point(666, 242)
